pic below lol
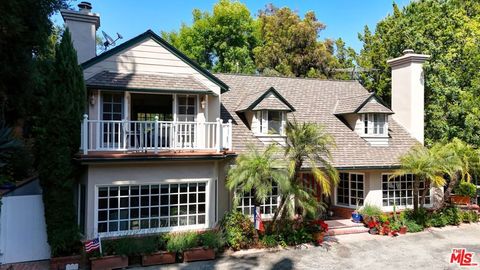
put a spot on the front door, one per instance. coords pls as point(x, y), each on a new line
point(112, 114)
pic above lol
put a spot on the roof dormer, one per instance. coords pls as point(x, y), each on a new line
point(367, 115)
point(266, 113)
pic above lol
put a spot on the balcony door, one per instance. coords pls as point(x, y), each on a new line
point(186, 116)
point(112, 114)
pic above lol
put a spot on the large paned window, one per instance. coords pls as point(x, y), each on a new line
point(153, 207)
point(375, 124)
point(399, 190)
point(350, 189)
point(271, 122)
point(267, 208)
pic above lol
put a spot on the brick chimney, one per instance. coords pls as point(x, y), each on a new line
point(83, 25)
point(408, 92)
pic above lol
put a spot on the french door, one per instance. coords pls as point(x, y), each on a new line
point(112, 114)
point(186, 118)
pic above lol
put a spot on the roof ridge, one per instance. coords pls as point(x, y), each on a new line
point(284, 77)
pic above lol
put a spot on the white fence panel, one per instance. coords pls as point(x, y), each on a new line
point(23, 235)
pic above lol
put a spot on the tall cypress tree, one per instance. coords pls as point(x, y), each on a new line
point(57, 142)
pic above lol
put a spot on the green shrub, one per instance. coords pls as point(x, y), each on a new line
point(269, 241)
point(421, 216)
point(179, 242)
point(438, 219)
point(131, 246)
point(452, 215)
point(293, 232)
point(212, 239)
point(413, 227)
point(466, 189)
point(371, 211)
point(469, 216)
point(238, 230)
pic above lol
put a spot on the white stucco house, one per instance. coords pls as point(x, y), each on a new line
point(160, 131)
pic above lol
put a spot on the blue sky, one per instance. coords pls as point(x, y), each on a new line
point(344, 18)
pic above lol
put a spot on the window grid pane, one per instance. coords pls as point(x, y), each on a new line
point(399, 190)
point(133, 207)
point(268, 207)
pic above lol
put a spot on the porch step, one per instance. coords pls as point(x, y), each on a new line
point(344, 226)
point(351, 230)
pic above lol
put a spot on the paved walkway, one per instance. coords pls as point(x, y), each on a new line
point(426, 250)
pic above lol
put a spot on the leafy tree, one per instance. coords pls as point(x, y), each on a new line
point(25, 33)
point(307, 144)
point(58, 139)
point(288, 45)
point(448, 31)
point(426, 165)
point(222, 40)
point(462, 161)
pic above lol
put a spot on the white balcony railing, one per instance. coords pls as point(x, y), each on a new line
point(154, 136)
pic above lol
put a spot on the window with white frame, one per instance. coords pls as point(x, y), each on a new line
point(375, 124)
point(267, 208)
point(187, 108)
point(154, 207)
point(271, 122)
point(399, 190)
point(350, 189)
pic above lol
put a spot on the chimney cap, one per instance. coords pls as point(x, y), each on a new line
point(87, 6)
point(406, 51)
point(409, 57)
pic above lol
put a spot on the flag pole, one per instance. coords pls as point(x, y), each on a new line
point(100, 244)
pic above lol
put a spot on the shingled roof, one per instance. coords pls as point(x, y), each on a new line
point(315, 101)
point(139, 81)
point(364, 103)
point(266, 100)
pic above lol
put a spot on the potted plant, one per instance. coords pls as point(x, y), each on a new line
point(59, 263)
point(463, 192)
point(209, 243)
point(159, 255)
point(370, 212)
point(319, 228)
point(114, 254)
point(179, 242)
point(356, 216)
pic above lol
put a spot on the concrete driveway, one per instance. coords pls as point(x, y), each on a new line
point(426, 250)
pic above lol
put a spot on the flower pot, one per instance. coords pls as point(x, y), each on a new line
point(459, 199)
point(318, 237)
point(356, 217)
point(59, 263)
point(403, 230)
point(108, 262)
point(160, 257)
point(198, 254)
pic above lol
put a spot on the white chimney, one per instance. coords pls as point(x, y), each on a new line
point(83, 25)
point(408, 92)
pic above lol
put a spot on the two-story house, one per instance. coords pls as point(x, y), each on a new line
point(160, 131)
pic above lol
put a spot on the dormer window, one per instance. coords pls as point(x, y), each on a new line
point(375, 124)
point(271, 122)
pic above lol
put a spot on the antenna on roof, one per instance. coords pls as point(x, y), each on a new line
point(354, 71)
point(109, 41)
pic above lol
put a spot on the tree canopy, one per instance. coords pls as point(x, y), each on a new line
point(276, 42)
point(448, 31)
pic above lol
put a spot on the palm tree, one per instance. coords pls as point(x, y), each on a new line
point(426, 165)
point(307, 144)
point(464, 160)
point(256, 171)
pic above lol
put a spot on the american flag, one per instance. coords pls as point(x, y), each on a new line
point(92, 244)
point(257, 219)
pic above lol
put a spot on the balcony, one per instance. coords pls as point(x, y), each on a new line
point(154, 136)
